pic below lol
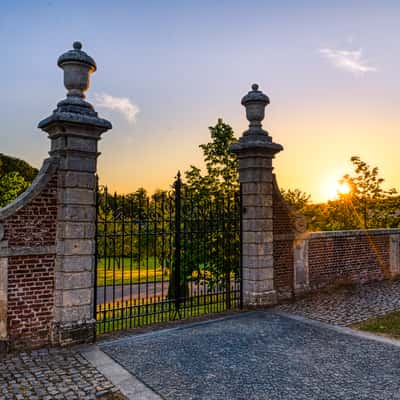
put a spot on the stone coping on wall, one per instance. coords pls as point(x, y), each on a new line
point(47, 171)
point(350, 233)
point(18, 251)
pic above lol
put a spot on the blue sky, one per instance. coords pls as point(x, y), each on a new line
point(168, 69)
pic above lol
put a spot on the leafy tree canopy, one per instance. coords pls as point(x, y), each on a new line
point(221, 175)
point(15, 176)
point(11, 185)
point(296, 199)
point(366, 205)
point(12, 164)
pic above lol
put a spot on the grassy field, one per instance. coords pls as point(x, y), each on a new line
point(388, 325)
point(136, 314)
point(127, 272)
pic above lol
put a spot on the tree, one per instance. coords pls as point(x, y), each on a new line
point(366, 204)
point(213, 196)
point(11, 164)
point(221, 165)
point(366, 197)
point(11, 185)
point(15, 176)
point(296, 199)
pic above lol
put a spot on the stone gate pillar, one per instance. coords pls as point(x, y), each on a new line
point(74, 129)
point(255, 151)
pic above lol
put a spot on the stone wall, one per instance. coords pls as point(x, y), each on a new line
point(27, 255)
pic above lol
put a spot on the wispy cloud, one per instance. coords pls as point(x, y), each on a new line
point(121, 104)
point(349, 60)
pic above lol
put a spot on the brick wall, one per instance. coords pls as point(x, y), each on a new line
point(348, 257)
point(30, 299)
point(309, 261)
point(35, 223)
point(287, 224)
point(28, 246)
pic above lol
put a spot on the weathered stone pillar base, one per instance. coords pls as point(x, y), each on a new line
point(260, 300)
point(67, 333)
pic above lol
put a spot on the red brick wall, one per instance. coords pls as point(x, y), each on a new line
point(283, 267)
point(283, 246)
point(30, 299)
point(35, 223)
point(31, 277)
point(359, 258)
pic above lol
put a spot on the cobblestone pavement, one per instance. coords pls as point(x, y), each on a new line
point(348, 305)
point(260, 355)
point(51, 374)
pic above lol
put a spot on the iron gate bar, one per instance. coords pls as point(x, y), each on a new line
point(193, 241)
point(177, 261)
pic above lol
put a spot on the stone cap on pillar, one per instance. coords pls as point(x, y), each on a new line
point(255, 138)
point(77, 66)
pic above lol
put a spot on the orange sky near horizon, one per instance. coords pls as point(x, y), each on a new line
point(316, 153)
point(168, 70)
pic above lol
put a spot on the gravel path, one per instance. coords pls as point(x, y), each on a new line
point(260, 355)
point(346, 306)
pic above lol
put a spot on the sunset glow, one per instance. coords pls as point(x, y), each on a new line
point(320, 63)
point(333, 188)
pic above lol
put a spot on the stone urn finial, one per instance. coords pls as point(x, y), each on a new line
point(255, 102)
point(255, 138)
point(77, 66)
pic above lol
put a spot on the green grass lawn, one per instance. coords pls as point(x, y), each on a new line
point(119, 316)
point(127, 271)
point(388, 325)
point(115, 271)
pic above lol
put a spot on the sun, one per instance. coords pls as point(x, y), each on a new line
point(334, 188)
point(343, 188)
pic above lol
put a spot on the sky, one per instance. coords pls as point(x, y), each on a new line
point(167, 70)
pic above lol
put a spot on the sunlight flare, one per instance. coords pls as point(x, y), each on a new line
point(333, 188)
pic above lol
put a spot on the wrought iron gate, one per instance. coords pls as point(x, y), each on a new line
point(174, 255)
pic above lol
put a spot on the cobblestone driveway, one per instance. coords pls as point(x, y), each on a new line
point(51, 374)
point(260, 356)
point(346, 306)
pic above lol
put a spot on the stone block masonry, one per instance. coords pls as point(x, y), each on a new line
point(47, 235)
point(255, 151)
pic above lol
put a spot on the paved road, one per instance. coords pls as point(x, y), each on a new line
point(260, 355)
